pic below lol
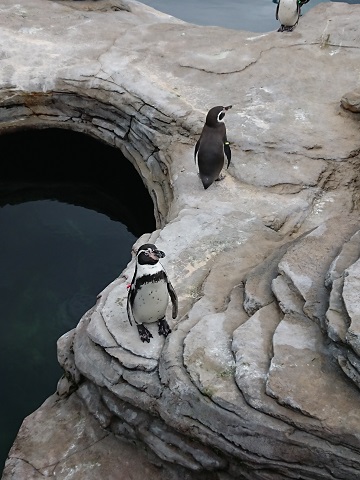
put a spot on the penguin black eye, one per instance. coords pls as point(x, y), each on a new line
point(221, 115)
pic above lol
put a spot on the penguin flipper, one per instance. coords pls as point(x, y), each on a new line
point(196, 149)
point(129, 302)
point(128, 309)
point(174, 299)
point(277, 11)
point(227, 152)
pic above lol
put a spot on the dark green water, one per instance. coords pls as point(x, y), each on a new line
point(55, 259)
point(56, 256)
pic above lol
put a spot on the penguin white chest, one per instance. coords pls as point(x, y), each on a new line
point(288, 12)
point(150, 302)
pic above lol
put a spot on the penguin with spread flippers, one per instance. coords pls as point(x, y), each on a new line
point(211, 147)
point(149, 292)
point(288, 13)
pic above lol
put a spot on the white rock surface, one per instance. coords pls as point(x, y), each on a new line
point(260, 376)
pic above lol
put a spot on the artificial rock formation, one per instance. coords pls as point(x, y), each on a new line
point(260, 376)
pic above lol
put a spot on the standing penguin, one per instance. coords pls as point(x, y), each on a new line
point(149, 292)
point(288, 13)
point(211, 146)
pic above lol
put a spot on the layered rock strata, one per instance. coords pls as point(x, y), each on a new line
point(259, 378)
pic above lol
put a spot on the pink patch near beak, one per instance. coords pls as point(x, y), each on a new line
point(153, 256)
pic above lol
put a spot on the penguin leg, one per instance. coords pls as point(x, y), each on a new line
point(164, 328)
point(144, 333)
point(220, 177)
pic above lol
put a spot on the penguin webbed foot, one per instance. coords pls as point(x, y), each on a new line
point(285, 28)
point(220, 177)
point(164, 328)
point(144, 333)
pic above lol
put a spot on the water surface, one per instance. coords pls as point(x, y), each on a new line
point(249, 15)
point(55, 259)
point(56, 254)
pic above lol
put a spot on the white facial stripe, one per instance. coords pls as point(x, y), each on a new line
point(147, 252)
point(221, 116)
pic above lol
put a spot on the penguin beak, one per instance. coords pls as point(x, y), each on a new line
point(156, 254)
point(228, 107)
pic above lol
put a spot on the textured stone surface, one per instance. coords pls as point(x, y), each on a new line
point(260, 376)
point(351, 100)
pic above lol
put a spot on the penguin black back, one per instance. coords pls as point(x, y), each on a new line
point(211, 146)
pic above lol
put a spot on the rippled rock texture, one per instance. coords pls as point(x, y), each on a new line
point(260, 376)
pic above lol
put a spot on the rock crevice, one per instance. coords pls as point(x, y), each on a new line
point(260, 376)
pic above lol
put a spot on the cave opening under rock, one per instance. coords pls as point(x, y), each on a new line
point(44, 297)
point(74, 168)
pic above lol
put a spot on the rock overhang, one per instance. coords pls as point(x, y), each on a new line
point(226, 373)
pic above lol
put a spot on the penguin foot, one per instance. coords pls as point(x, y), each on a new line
point(285, 28)
point(164, 328)
point(144, 333)
point(220, 177)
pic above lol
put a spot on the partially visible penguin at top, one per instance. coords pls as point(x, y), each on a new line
point(212, 146)
point(288, 13)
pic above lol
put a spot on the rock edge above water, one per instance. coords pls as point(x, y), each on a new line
point(260, 377)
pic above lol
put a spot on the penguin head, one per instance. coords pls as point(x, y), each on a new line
point(215, 115)
point(149, 254)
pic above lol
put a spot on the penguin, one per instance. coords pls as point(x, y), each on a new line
point(288, 13)
point(149, 291)
point(211, 147)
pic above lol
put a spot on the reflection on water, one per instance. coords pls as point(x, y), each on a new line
point(248, 15)
point(55, 258)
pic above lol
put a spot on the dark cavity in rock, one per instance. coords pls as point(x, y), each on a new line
point(74, 168)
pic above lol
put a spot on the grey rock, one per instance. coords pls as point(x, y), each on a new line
point(349, 253)
point(286, 295)
point(306, 263)
point(351, 298)
point(351, 100)
point(260, 376)
point(337, 319)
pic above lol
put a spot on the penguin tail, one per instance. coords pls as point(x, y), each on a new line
point(206, 180)
point(206, 183)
